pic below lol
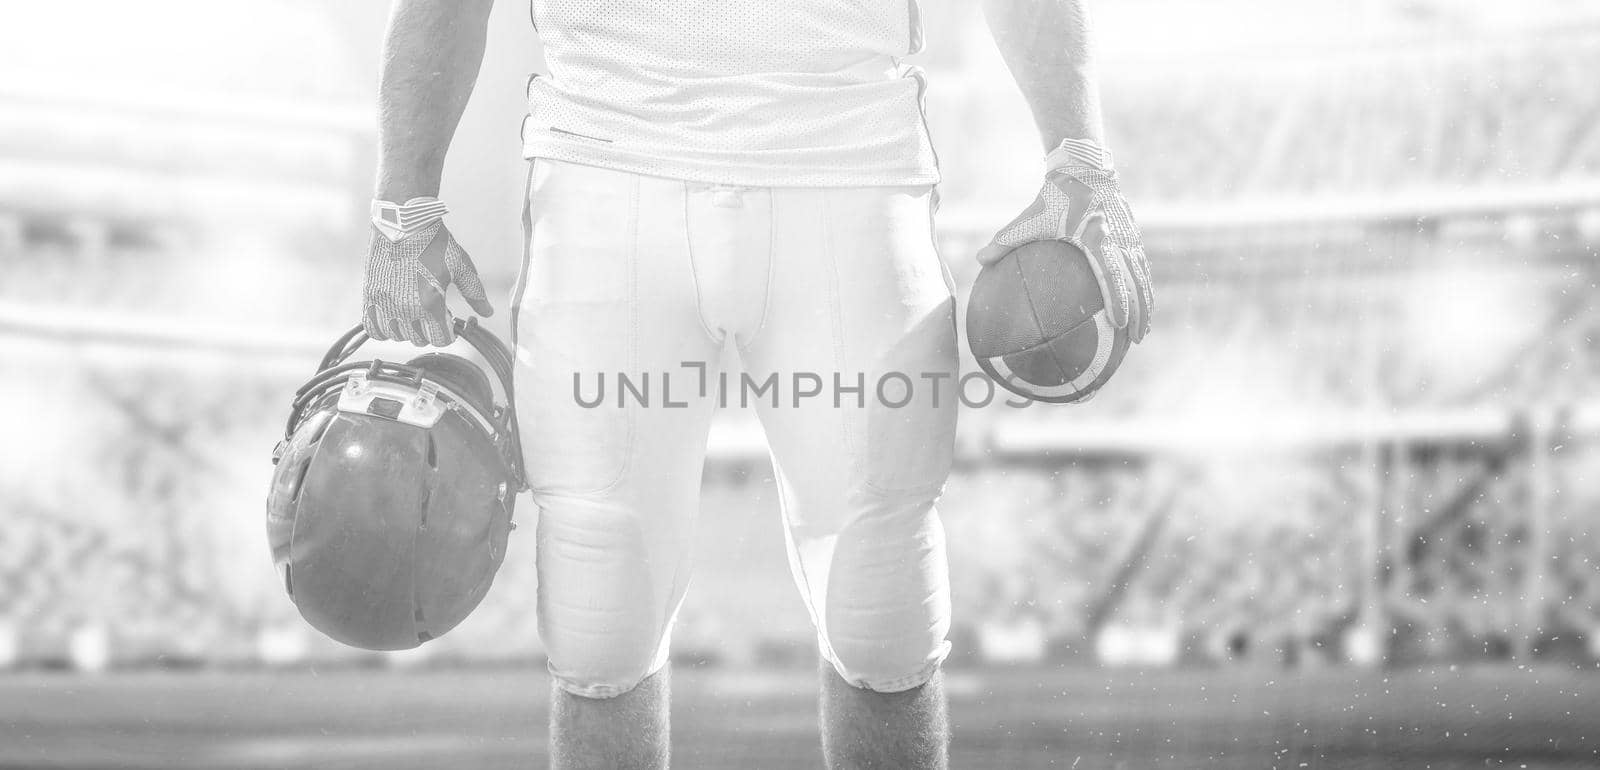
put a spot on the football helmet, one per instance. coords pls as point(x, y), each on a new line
point(392, 496)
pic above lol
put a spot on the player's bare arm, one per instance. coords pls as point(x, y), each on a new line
point(1048, 47)
point(1046, 44)
point(431, 57)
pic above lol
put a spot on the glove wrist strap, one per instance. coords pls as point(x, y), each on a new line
point(1078, 152)
point(398, 220)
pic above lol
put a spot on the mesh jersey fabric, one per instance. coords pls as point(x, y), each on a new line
point(803, 93)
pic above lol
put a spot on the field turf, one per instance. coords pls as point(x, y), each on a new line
point(1448, 718)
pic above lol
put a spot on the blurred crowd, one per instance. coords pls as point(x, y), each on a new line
point(1430, 118)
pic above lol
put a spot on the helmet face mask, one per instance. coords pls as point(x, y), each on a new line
point(392, 498)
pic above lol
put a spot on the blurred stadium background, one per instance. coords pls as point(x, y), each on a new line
point(1339, 511)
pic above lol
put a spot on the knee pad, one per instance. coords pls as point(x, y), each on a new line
point(887, 606)
point(605, 609)
point(602, 652)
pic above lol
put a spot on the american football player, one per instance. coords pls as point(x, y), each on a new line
point(704, 174)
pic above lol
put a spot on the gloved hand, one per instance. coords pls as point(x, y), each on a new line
point(1081, 203)
point(412, 259)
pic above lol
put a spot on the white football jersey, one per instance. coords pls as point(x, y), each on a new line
point(740, 92)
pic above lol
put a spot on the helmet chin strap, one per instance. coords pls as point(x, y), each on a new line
point(500, 362)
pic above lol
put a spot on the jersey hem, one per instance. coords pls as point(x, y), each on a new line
point(711, 172)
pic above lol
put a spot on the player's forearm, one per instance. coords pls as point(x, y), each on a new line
point(431, 56)
point(1046, 45)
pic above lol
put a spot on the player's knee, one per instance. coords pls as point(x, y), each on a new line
point(605, 612)
point(886, 610)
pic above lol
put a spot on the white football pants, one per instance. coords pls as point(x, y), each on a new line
point(838, 291)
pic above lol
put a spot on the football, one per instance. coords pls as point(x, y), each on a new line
point(1037, 324)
